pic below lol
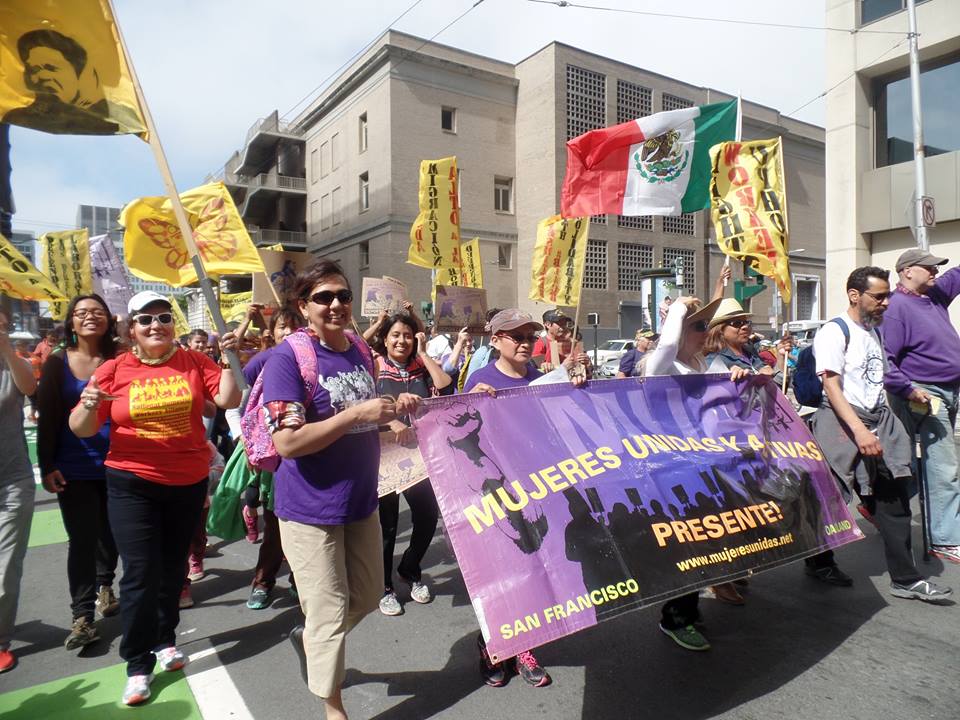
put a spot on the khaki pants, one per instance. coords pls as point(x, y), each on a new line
point(339, 571)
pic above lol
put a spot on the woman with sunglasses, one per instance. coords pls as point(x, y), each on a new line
point(680, 352)
point(403, 366)
point(157, 472)
point(728, 339)
point(513, 334)
point(326, 484)
point(73, 468)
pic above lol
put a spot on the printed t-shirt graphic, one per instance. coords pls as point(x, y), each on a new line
point(156, 427)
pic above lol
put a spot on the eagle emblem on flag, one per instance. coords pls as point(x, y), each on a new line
point(661, 159)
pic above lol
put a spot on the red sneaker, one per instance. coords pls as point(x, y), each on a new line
point(8, 661)
point(251, 520)
point(186, 600)
point(532, 671)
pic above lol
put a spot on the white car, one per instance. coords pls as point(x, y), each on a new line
point(612, 350)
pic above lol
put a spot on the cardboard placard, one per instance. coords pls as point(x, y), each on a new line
point(281, 269)
point(380, 294)
point(458, 307)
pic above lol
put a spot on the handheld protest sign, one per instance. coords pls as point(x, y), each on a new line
point(379, 294)
point(457, 307)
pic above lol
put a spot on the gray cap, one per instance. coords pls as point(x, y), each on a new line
point(511, 319)
point(916, 256)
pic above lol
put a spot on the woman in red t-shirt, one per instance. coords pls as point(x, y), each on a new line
point(157, 471)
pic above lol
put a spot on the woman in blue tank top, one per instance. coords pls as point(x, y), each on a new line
point(72, 467)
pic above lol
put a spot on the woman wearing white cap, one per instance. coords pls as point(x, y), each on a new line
point(157, 471)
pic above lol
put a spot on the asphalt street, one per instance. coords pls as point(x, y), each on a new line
point(798, 649)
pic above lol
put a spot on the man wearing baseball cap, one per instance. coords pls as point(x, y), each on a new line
point(643, 341)
point(923, 379)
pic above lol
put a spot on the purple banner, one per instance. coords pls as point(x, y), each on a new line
point(566, 507)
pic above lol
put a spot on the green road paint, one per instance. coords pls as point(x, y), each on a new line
point(31, 434)
point(47, 529)
point(96, 696)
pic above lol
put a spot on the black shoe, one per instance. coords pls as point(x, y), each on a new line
point(296, 639)
point(831, 575)
point(494, 674)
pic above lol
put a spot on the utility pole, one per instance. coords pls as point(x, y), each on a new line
point(920, 177)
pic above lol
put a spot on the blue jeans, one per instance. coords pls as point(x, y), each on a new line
point(939, 458)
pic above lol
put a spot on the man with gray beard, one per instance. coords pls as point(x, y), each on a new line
point(864, 443)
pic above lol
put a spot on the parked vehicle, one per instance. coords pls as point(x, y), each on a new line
point(802, 331)
point(609, 368)
point(613, 349)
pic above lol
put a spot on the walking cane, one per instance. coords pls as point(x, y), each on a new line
point(922, 487)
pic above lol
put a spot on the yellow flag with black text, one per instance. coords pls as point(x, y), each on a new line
point(748, 207)
point(62, 69)
point(435, 234)
point(154, 248)
point(20, 279)
point(65, 259)
point(471, 269)
point(181, 325)
point(558, 259)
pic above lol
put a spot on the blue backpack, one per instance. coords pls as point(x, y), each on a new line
point(807, 386)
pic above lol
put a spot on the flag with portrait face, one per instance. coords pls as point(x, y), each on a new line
point(62, 69)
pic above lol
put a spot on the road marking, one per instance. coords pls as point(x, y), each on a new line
point(213, 689)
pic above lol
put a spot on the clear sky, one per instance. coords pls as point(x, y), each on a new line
point(211, 68)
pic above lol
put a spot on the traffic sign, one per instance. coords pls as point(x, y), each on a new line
point(927, 212)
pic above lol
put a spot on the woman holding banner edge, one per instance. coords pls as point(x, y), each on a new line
point(513, 334)
point(680, 352)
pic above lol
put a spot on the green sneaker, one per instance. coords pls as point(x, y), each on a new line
point(687, 637)
point(259, 599)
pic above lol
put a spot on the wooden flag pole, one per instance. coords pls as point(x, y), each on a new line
point(206, 285)
point(738, 137)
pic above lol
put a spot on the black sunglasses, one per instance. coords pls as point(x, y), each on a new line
point(326, 297)
point(740, 322)
point(879, 297)
point(146, 320)
point(520, 339)
point(698, 326)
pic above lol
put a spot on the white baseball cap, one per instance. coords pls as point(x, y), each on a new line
point(139, 301)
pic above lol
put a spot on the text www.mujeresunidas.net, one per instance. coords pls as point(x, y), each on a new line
point(730, 554)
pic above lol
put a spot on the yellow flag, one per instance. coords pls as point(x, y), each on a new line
point(65, 258)
point(181, 325)
point(435, 234)
point(20, 279)
point(471, 270)
point(233, 306)
point(558, 259)
point(748, 206)
point(62, 69)
point(154, 249)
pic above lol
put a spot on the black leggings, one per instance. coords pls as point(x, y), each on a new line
point(424, 513)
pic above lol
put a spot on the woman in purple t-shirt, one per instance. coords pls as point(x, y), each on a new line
point(326, 485)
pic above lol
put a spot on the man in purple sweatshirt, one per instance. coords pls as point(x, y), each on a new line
point(923, 379)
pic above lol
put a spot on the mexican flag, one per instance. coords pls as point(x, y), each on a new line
point(655, 165)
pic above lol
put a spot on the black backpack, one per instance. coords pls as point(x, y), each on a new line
point(807, 386)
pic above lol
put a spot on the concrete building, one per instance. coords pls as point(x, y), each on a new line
point(870, 169)
point(405, 100)
point(25, 314)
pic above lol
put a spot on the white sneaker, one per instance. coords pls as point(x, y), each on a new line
point(137, 690)
point(950, 553)
point(420, 593)
point(170, 659)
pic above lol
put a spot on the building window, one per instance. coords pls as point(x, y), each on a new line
point(672, 102)
point(325, 212)
point(680, 224)
point(595, 270)
point(335, 152)
point(871, 10)
point(633, 101)
point(504, 256)
point(324, 159)
point(364, 191)
point(586, 100)
point(335, 201)
point(503, 195)
point(364, 254)
point(314, 217)
point(448, 119)
point(598, 219)
point(630, 259)
point(941, 105)
point(636, 222)
point(670, 255)
point(363, 132)
point(314, 166)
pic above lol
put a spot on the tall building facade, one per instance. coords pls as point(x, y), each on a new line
point(405, 100)
point(870, 168)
